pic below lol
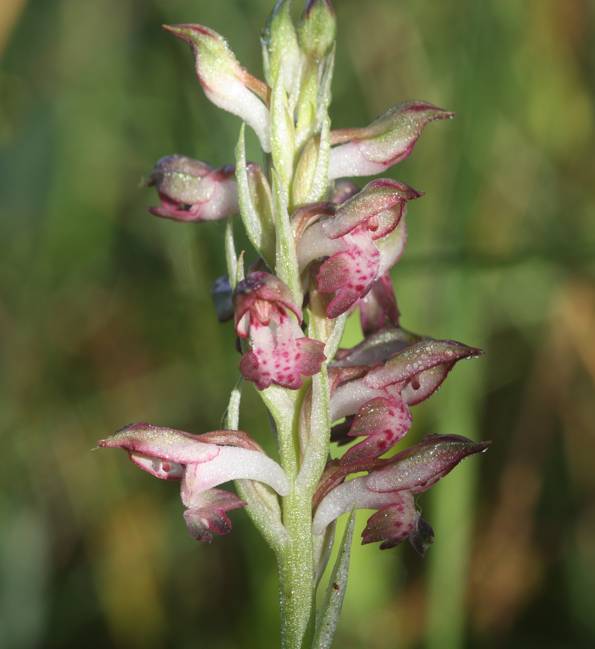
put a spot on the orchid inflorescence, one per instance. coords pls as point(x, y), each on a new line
point(324, 249)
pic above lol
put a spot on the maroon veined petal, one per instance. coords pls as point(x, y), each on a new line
point(378, 308)
point(349, 274)
point(252, 370)
point(417, 358)
point(417, 468)
point(155, 442)
point(311, 356)
point(383, 422)
point(393, 524)
point(209, 516)
point(281, 354)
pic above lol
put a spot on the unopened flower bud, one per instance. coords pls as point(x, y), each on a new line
point(318, 28)
point(222, 295)
point(282, 52)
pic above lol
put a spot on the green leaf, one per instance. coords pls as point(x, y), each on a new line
point(240, 272)
point(310, 182)
point(319, 187)
point(334, 340)
point(327, 616)
point(286, 264)
point(282, 134)
point(231, 257)
point(231, 419)
point(259, 231)
point(318, 434)
point(325, 87)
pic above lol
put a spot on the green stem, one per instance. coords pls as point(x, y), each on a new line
point(296, 570)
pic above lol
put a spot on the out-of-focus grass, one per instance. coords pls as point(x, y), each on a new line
point(105, 318)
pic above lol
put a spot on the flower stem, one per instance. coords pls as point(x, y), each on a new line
point(296, 570)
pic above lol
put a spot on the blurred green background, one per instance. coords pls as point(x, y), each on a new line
point(105, 318)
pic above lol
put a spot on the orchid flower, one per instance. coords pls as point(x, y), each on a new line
point(389, 139)
point(279, 352)
point(200, 462)
point(362, 239)
point(390, 488)
point(191, 190)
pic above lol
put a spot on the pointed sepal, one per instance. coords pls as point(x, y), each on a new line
point(419, 467)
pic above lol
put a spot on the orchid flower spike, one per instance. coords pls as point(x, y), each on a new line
point(191, 190)
point(225, 82)
point(390, 488)
point(362, 238)
point(279, 352)
point(200, 462)
point(389, 139)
